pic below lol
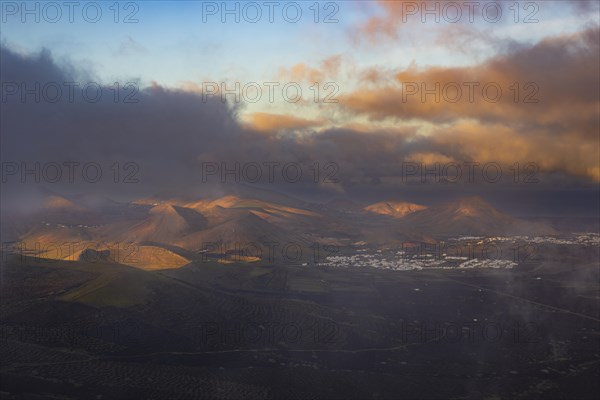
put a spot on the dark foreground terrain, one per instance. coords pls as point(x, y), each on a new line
point(209, 330)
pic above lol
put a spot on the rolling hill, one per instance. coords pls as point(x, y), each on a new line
point(469, 216)
point(396, 209)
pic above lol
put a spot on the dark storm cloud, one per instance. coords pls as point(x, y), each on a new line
point(163, 131)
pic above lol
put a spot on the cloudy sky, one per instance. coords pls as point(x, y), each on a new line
point(372, 87)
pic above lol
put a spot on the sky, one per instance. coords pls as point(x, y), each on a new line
point(363, 70)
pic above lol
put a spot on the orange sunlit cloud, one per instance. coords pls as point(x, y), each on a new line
point(265, 122)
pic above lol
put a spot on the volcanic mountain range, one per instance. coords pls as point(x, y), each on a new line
point(172, 231)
